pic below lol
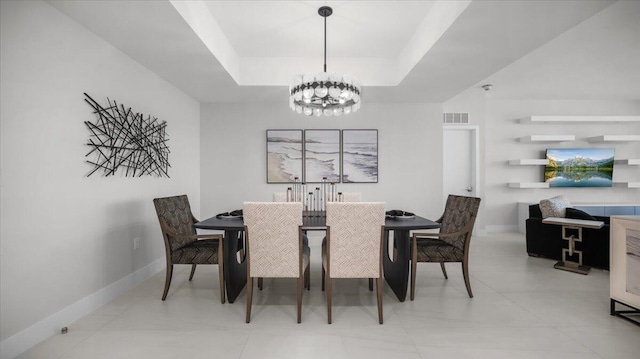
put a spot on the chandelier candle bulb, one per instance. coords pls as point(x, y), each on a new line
point(289, 195)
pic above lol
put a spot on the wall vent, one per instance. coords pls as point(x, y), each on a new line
point(454, 118)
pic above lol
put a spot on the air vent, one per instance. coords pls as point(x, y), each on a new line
point(455, 118)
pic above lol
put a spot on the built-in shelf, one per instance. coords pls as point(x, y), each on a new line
point(548, 138)
point(631, 161)
point(626, 135)
point(579, 119)
point(528, 185)
point(627, 184)
point(529, 162)
point(615, 138)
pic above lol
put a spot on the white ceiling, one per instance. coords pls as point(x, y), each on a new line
point(599, 60)
point(426, 51)
point(357, 29)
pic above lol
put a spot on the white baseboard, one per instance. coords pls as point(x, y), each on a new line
point(26, 339)
point(501, 228)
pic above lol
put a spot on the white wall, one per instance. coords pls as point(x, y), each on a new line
point(501, 134)
point(589, 70)
point(233, 153)
point(65, 236)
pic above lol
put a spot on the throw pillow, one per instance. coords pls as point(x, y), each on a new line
point(554, 207)
point(578, 214)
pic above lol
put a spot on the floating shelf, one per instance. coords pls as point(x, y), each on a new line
point(528, 185)
point(615, 138)
point(528, 162)
point(548, 138)
point(627, 184)
point(632, 162)
point(579, 119)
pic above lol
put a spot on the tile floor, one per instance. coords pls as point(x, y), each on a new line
point(523, 308)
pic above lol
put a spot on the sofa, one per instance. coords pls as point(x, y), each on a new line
point(545, 240)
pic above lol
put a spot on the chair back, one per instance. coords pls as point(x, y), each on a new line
point(459, 214)
point(354, 237)
point(273, 234)
point(174, 214)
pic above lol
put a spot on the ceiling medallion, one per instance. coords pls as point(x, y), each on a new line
point(322, 93)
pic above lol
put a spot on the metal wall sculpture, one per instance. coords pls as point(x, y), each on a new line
point(122, 139)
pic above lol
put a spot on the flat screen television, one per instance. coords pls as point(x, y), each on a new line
point(579, 167)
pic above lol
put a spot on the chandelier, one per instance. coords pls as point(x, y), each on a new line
point(322, 93)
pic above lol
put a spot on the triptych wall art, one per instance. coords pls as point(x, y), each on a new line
point(347, 156)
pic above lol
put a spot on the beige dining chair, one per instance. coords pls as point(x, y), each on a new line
point(182, 244)
point(353, 246)
point(275, 246)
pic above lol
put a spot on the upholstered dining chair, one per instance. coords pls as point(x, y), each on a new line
point(275, 245)
point(182, 244)
point(353, 245)
point(452, 243)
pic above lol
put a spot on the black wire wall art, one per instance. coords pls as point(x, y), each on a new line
point(123, 140)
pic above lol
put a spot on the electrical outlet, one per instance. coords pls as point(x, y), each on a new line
point(136, 244)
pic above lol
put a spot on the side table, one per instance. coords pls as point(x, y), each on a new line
point(575, 227)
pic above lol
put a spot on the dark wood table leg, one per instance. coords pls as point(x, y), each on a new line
point(396, 272)
point(235, 273)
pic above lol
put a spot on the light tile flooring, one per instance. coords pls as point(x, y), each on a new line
point(523, 308)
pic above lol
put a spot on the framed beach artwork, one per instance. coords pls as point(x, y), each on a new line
point(359, 156)
point(321, 155)
point(284, 155)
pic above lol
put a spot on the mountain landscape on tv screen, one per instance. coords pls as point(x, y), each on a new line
point(579, 162)
point(576, 167)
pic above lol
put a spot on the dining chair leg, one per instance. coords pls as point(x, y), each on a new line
point(379, 289)
point(300, 282)
point(371, 284)
point(249, 297)
point(444, 271)
point(465, 274)
point(308, 277)
point(323, 278)
point(193, 271)
point(328, 300)
point(167, 281)
point(260, 283)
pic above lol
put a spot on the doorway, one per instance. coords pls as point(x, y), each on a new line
point(460, 161)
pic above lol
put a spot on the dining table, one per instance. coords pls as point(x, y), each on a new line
point(395, 261)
